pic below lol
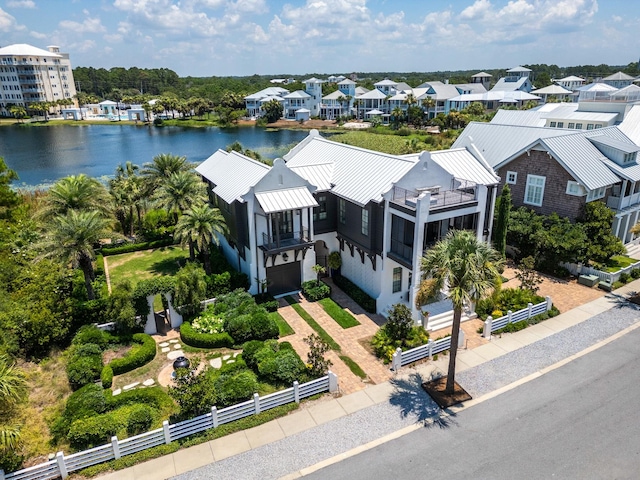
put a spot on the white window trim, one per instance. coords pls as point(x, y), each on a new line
point(515, 178)
point(596, 194)
point(581, 191)
point(530, 179)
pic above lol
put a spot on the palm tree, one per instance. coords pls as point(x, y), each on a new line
point(76, 192)
point(127, 191)
point(468, 269)
point(72, 236)
point(180, 191)
point(162, 167)
point(18, 111)
point(13, 388)
point(197, 228)
point(356, 103)
point(428, 103)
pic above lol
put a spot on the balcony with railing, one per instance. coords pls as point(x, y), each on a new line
point(439, 198)
point(285, 241)
point(401, 253)
point(620, 203)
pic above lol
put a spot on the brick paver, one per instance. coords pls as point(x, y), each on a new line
point(347, 381)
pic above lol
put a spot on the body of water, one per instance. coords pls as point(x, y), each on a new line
point(42, 155)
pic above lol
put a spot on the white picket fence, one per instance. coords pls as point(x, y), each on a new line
point(400, 358)
point(493, 324)
point(62, 465)
point(610, 277)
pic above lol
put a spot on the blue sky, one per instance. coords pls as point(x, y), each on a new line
point(243, 37)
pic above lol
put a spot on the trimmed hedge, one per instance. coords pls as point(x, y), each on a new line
point(315, 291)
point(85, 365)
point(204, 340)
point(142, 353)
point(135, 247)
point(98, 430)
point(358, 295)
point(106, 377)
point(153, 396)
point(139, 420)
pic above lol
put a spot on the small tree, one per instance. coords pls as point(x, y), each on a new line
point(193, 392)
point(334, 261)
point(602, 243)
point(528, 276)
point(120, 308)
point(399, 322)
point(316, 363)
point(190, 289)
point(273, 110)
point(502, 221)
point(319, 270)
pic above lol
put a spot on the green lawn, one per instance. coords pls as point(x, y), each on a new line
point(353, 366)
point(136, 266)
point(339, 314)
point(283, 327)
point(312, 323)
point(618, 262)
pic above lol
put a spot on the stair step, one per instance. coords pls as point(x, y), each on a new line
point(445, 320)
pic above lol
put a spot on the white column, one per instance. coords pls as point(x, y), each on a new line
point(176, 318)
point(150, 326)
point(422, 215)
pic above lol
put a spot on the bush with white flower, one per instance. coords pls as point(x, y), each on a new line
point(208, 322)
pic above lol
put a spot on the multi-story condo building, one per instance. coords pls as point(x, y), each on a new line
point(379, 211)
point(31, 75)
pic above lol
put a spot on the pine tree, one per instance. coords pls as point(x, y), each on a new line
point(502, 222)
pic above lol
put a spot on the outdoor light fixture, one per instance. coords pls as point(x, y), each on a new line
point(285, 256)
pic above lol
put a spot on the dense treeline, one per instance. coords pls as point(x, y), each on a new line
point(157, 81)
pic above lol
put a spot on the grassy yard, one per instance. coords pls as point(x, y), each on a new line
point(619, 262)
point(353, 366)
point(339, 314)
point(284, 328)
point(312, 323)
point(136, 266)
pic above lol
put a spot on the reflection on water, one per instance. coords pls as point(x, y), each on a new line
point(41, 155)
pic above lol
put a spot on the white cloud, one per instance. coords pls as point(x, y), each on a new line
point(38, 35)
point(21, 4)
point(82, 46)
point(8, 22)
point(89, 25)
point(479, 10)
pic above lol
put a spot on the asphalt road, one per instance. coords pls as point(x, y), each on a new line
point(580, 421)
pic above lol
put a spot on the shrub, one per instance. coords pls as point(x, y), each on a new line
point(285, 366)
point(135, 247)
point(85, 365)
point(85, 402)
point(315, 290)
point(97, 430)
point(635, 273)
point(625, 277)
point(236, 387)
point(143, 351)
point(617, 284)
point(106, 377)
point(152, 396)
point(399, 322)
point(356, 293)
point(204, 340)
point(208, 322)
point(249, 351)
point(92, 334)
point(139, 420)
point(317, 364)
point(218, 284)
point(385, 346)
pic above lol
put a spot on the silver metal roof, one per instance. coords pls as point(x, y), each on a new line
point(631, 124)
point(24, 49)
point(507, 85)
point(623, 146)
point(359, 175)
point(619, 76)
point(286, 199)
point(552, 90)
point(528, 118)
point(318, 175)
point(462, 164)
point(298, 94)
point(373, 94)
point(232, 173)
point(629, 172)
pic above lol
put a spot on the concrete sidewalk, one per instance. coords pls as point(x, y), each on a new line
point(321, 414)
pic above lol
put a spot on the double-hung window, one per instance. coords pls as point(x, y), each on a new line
point(365, 222)
point(397, 279)
point(534, 192)
point(342, 211)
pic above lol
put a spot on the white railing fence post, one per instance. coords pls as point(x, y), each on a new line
point(509, 315)
point(61, 465)
point(529, 307)
point(167, 433)
point(296, 391)
point(488, 325)
point(256, 403)
point(460, 338)
point(396, 360)
point(115, 447)
point(549, 303)
point(430, 349)
point(214, 416)
point(333, 382)
point(1, 474)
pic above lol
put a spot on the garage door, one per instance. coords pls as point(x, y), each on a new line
point(283, 278)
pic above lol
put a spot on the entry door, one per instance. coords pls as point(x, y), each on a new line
point(284, 278)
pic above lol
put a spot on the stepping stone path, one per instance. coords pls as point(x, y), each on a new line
point(175, 354)
point(131, 385)
point(174, 340)
point(216, 362)
point(226, 357)
point(165, 349)
point(177, 346)
point(117, 391)
point(163, 344)
point(148, 383)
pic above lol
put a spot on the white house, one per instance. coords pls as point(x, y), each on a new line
point(379, 211)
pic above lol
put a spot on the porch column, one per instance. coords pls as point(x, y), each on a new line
point(269, 238)
point(626, 227)
point(422, 214)
point(150, 326)
point(176, 318)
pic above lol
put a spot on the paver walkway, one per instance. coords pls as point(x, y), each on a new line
point(347, 381)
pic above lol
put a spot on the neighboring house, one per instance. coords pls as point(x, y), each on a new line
point(380, 211)
point(492, 100)
point(295, 101)
point(255, 101)
point(551, 170)
point(571, 82)
point(556, 92)
point(619, 80)
point(31, 75)
point(517, 79)
point(482, 78)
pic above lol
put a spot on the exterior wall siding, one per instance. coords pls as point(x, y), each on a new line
point(555, 198)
